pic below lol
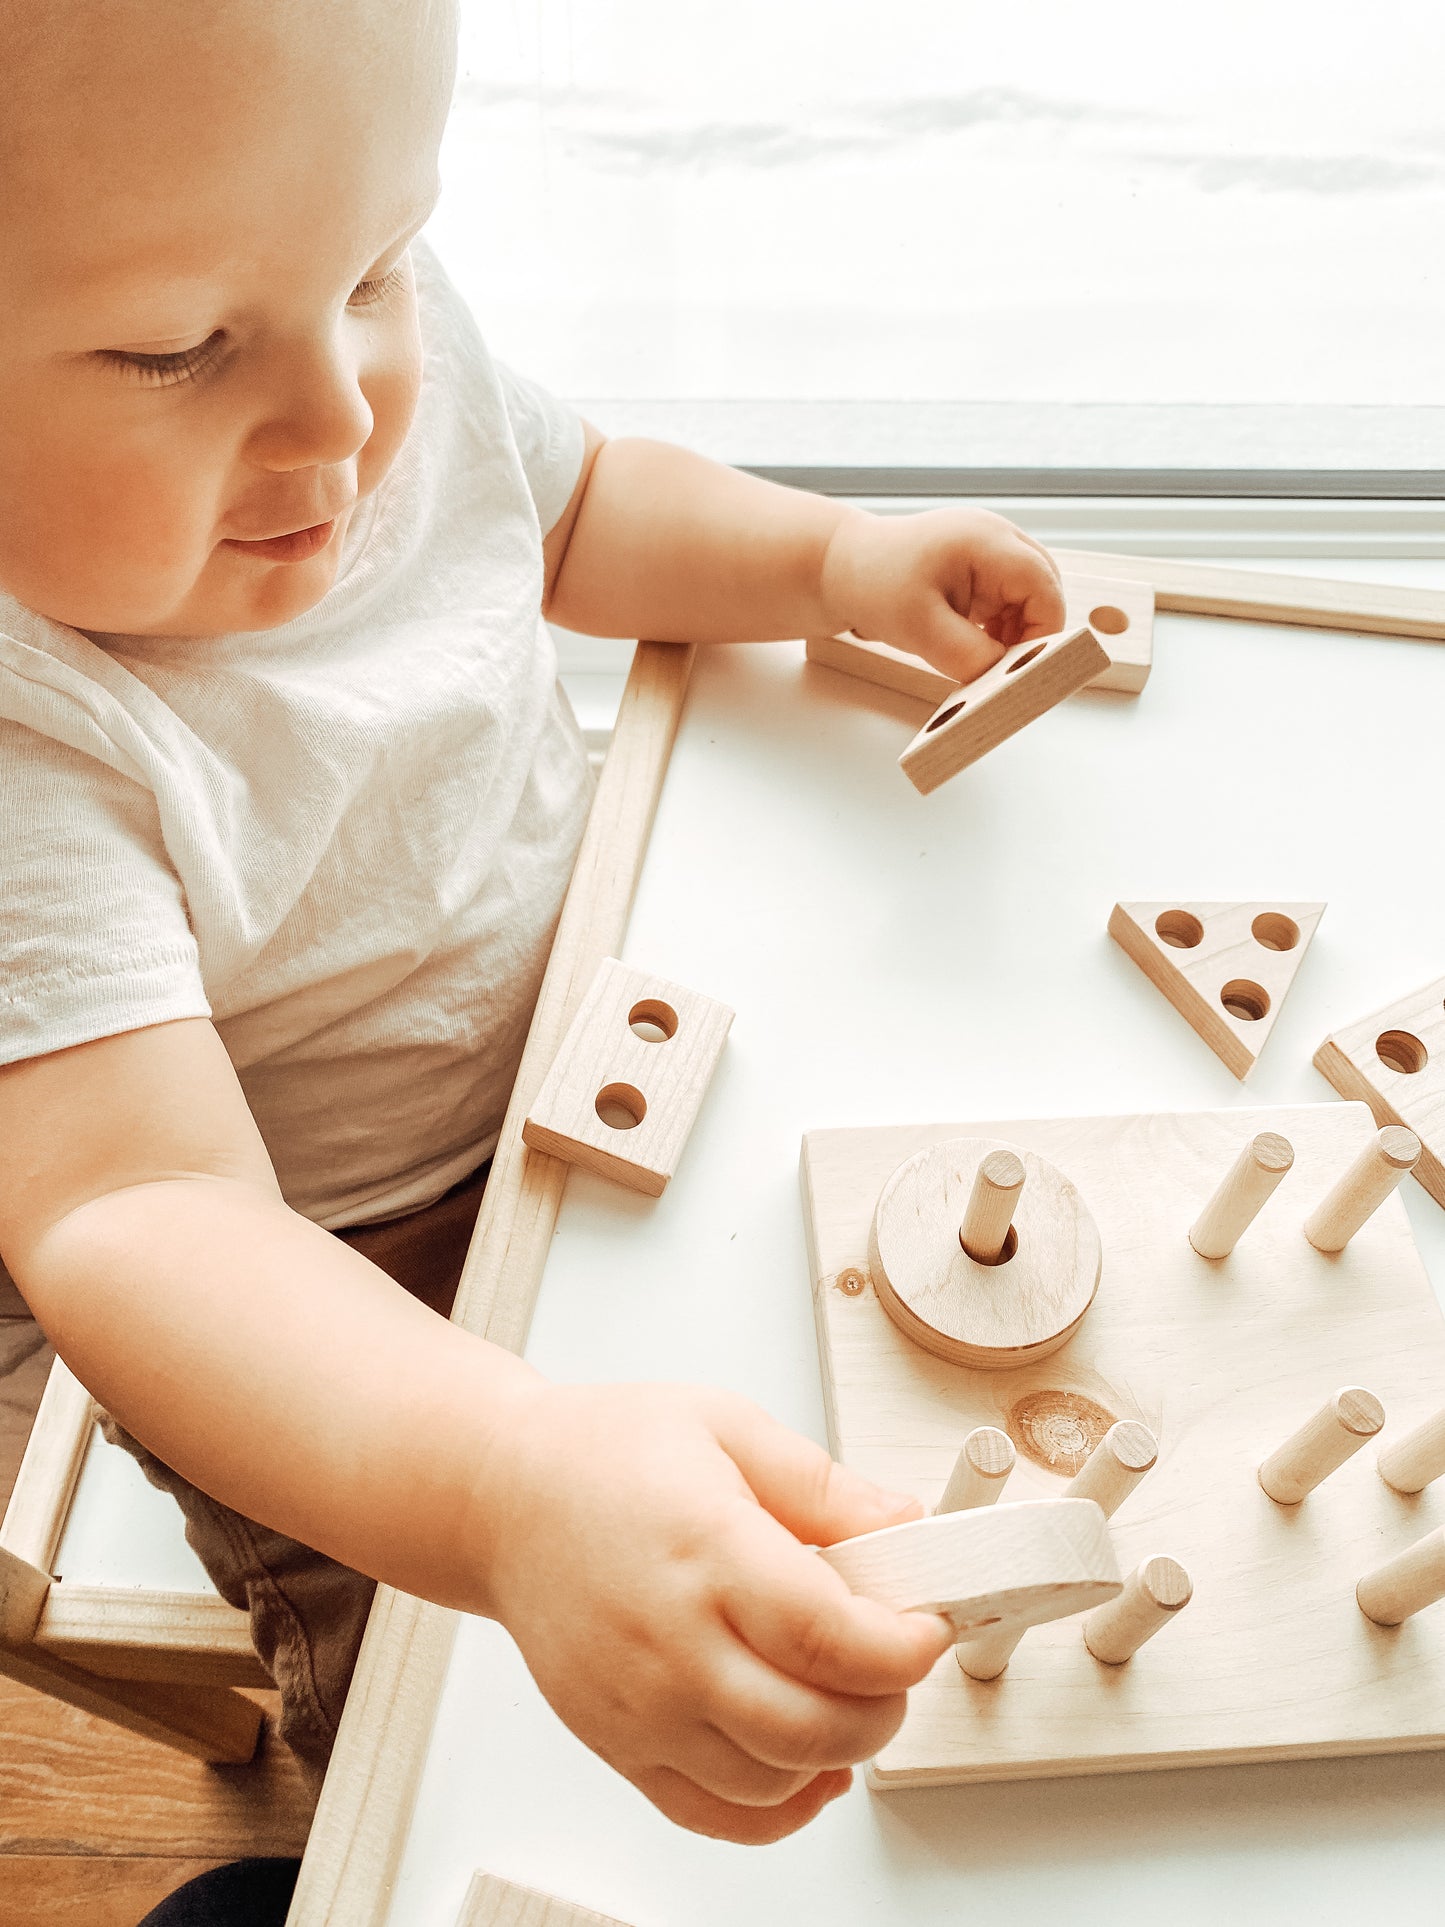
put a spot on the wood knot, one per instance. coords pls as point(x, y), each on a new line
point(1058, 1430)
point(851, 1282)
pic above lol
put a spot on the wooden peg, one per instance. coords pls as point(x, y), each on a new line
point(1406, 1584)
point(996, 1186)
point(980, 1471)
point(1363, 1189)
point(1006, 1565)
point(1153, 1593)
point(1321, 1445)
point(1115, 1466)
point(1242, 1195)
point(1413, 1461)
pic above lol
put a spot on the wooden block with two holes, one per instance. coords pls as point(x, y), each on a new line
point(1225, 967)
point(1121, 615)
point(1223, 1359)
point(1026, 681)
point(628, 1081)
point(1394, 1061)
point(492, 1902)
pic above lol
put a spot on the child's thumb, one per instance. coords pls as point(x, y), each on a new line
point(818, 1500)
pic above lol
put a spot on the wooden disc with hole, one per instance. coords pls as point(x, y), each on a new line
point(990, 1317)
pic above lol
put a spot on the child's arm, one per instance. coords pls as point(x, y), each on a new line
point(660, 542)
point(638, 1543)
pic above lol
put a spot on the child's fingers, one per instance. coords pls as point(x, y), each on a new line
point(818, 1500)
point(784, 1723)
point(794, 1611)
point(691, 1806)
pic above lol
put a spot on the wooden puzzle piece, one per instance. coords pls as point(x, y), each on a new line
point(1029, 679)
point(628, 1081)
point(1394, 1060)
point(1155, 1592)
point(980, 1471)
point(1005, 1312)
point(1225, 967)
point(1120, 613)
point(491, 1902)
point(1009, 1566)
point(1220, 1360)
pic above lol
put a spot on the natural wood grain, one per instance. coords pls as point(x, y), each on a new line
point(1003, 1315)
point(1209, 589)
point(1412, 1462)
point(71, 1785)
point(1154, 1592)
point(1220, 1359)
point(1405, 1584)
point(1005, 1565)
point(1028, 680)
point(622, 1103)
point(68, 1890)
point(1115, 1466)
point(1330, 1437)
point(120, 1632)
point(980, 1472)
point(371, 1784)
point(1225, 967)
point(45, 1483)
point(492, 1902)
point(989, 1214)
point(1120, 613)
point(1394, 1061)
point(1243, 1192)
point(1363, 1188)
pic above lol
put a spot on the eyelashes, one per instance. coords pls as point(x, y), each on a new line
point(190, 364)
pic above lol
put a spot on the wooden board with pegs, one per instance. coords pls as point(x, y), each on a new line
point(1223, 1359)
point(1121, 615)
point(1394, 1061)
point(1225, 967)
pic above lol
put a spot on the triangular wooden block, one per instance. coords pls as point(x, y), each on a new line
point(1225, 967)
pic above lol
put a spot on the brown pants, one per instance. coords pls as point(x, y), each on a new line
point(308, 1612)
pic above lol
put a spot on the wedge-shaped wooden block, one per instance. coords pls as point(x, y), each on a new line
point(1395, 1061)
point(995, 1566)
point(491, 1902)
point(1121, 615)
point(1225, 967)
point(971, 721)
point(625, 1087)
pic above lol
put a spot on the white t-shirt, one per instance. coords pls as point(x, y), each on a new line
point(347, 839)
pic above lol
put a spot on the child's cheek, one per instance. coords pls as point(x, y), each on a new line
point(391, 384)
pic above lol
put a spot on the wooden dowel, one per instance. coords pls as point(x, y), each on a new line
point(991, 1204)
point(1153, 1593)
point(986, 1658)
point(980, 1471)
point(1242, 1195)
point(1413, 1461)
point(1115, 1466)
point(1363, 1189)
point(1412, 1580)
point(1322, 1444)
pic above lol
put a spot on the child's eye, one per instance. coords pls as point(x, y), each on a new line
point(164, 371)
point(378, 287)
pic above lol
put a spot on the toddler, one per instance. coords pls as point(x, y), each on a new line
point(290, 798)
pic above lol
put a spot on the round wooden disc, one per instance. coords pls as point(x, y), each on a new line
point(990, 1317)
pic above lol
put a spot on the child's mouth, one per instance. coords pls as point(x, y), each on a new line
point(298, 546)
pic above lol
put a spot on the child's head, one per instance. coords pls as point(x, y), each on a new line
point(208, 329)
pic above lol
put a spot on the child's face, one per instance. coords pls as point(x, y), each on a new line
point(208, 332)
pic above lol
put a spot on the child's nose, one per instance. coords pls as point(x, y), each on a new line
point(317, 413)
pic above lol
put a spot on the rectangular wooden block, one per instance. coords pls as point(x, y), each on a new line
point(971, 721)
point(627, 1083)
point(1222, 1359)
point(1121, 614)
point(492, 1902)
point(1394, 1061)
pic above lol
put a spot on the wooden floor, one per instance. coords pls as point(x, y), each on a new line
point(96, 1826)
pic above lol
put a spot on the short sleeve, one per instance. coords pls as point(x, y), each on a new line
point(94, 937)
point(550, 441)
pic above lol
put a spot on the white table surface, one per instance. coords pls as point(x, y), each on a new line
point(891, 959)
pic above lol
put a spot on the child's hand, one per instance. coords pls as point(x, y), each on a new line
point(955, 586)
point(641, 1550)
